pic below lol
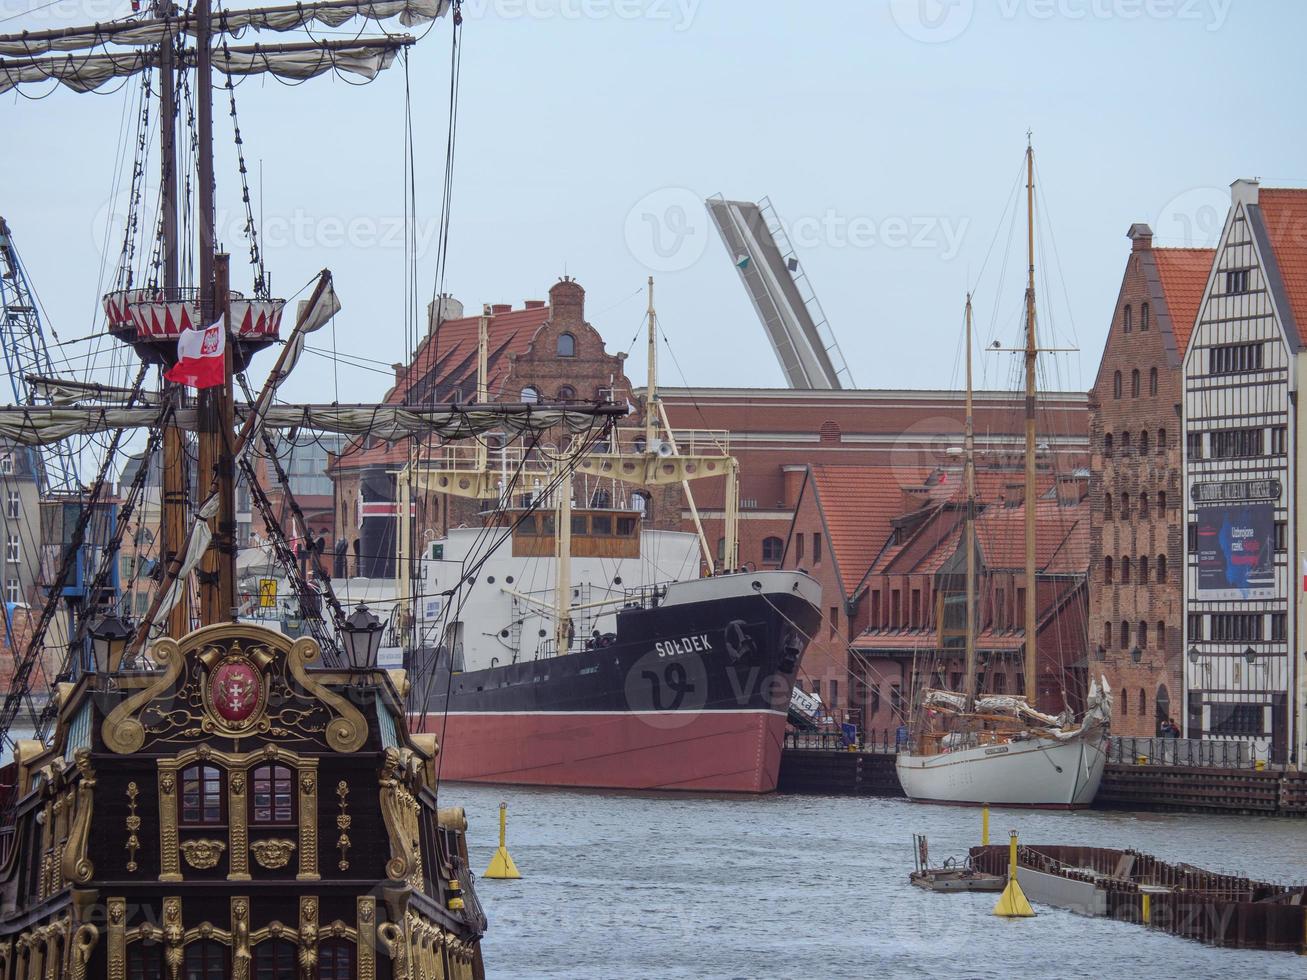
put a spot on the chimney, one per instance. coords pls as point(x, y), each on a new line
point(1141, 237)
point(1014, 494)
point(535, 304)
point(498, 308)
point(1244, 191)
point(443, 310)
point(400, 372)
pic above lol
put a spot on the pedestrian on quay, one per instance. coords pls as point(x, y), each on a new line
point(900, 737)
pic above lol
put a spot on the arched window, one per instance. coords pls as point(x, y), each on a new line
point(1143, 636)
point(1134, 383)
point(772, 549)
point(1107, 570)
point(1125, 571)
point(1143, 703)
point(202, 796)
point(1125, 506)
point(1161, 441)
point(1116, 385)
point(1143, 505)
point(1152, 381)
point(1125, 637)
point(1107, 445)
point(567, 394)
point(530, 395)
point(1143, 319)
point(643, 503)
point(1107, 506)
point(144, 961)
point(1125, 701)
point(336, 960)
point(1143, 442)
point(1143, 568)
point(1125, 443)
point(1161, 633)
point(566, 345)
point(274, 959)
point(206, 959)
point(1127, 320)
point(1161, 503)
point(273, 799)
point(1107, 634)
point(1163, 704)
point(1161, 568)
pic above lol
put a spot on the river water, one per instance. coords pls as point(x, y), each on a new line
point(680, 886)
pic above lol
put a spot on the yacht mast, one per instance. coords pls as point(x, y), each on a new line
point(969, 527)
point(1030, 664)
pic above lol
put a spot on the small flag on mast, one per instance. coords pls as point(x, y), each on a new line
point(200, 362)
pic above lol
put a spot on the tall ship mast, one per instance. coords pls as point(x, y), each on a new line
point(205, 797)
point(969, 747)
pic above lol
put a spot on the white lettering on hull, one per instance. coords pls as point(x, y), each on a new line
point(686, 644)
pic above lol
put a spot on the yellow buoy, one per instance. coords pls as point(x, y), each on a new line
point(1012, 903)
point(501, 865)
point(984, 826)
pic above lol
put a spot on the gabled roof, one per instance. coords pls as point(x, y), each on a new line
point(1183, 273)
point(1284, 214)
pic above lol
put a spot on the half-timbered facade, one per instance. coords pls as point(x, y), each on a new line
point(1243, 415)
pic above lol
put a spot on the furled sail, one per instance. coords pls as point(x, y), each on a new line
point(39, 425)
point(83, 73)
point(155, 31)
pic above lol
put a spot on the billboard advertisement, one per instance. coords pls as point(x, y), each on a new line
point(1236, 540)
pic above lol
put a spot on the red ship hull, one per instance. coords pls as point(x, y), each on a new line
point(704, 751)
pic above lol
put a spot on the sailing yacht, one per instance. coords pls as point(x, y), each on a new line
point(1001, 749)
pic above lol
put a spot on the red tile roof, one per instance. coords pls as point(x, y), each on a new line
point(1284, 212)
point(1058, 544)
point(1183, 273)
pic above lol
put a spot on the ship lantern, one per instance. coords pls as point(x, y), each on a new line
point(109, 637)
point(362, 638)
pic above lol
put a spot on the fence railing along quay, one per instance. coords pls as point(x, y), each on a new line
point(1208, 753)
point(832, 740)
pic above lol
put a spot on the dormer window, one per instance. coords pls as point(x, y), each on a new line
point(566, 345)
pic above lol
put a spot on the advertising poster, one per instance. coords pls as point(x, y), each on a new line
point(1236, 551)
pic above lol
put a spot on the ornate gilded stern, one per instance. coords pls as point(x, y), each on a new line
point(235, 681)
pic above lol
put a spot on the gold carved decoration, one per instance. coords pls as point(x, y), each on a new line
point(308, 790)
point(366, 923)
point(235, 680)
point(203, 853)
point(174, 936)
point(343, 822)
point(308, 935)
point(75, 865)
point(85, 939)
point(396, 943)
point(399, 810)
point(272, 853)
point(237, 821)
point(240, 938)
point(133, 826)
point(117, 945)
point(169, 861)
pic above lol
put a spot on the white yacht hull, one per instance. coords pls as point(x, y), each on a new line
point(1040, 772)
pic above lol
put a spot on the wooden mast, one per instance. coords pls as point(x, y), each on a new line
point(1031, 671)
point(969, 527)
point(651, 392)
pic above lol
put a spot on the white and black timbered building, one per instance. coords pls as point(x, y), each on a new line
point(1245, 501)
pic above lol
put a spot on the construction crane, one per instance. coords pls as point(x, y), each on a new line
point(27, 356)
point(781, 294)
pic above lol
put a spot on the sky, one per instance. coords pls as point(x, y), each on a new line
point(888, 135)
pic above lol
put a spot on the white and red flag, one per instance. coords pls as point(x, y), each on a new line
point(200, 360)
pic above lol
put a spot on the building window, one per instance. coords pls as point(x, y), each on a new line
point(1161, 441)
point(13, 591)
point(1143, 322)
point(567, 394)
point(144, 961)
point(833, 621)
point(1236, 281)
point(1236, 627)
point(1125, 571)
point(202, 803)
point(1143, 505)
point(916, 608)
point(721, 549)
point(1236, 443)
point(1125, 443)
point(1279, 443)
point(834, 692)
point(13, 550)
point(1143, 568)
point(274, 959)
point(643, 503)
point(1107, 506)
point(273, 801)
point(1125, 701)
point(206, 959)
point(1279, 627)
point(1235, 358)
point(1116, 385)
point(876, 620)
point(1161, 568)
point(816, 547)
point(1143, 635)
point(772, 549)
point(1134, 383)
point(1125, 635)
point(336, 960)
point(1125, 506)
point(1107, 445)
point(1193, 444)
point(1107, 634)
point(13, 505)
point(1236, 719)
point(1161, 634)
point(1107, 570)
point(895, 608)
point(530, 395)
point(1161, 503)
point(1127, 319)
point(1143, 442)
point(7, 463)
point(798, 546)
point(566, 345)
point(1143, 703)
point(1196, 631)
point(1152, 381)
point(1281, 536)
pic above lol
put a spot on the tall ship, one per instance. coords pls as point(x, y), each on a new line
point(972, 748)
point(589, 649)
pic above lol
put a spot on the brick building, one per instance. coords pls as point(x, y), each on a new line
point(1245, 500)
point(1135, 599)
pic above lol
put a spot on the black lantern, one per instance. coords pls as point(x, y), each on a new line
point(362, 638)
point(1136, 655)
point(109, 639)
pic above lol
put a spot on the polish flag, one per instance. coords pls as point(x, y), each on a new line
point(200, 361)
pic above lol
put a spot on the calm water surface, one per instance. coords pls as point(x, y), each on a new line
point(654, 886)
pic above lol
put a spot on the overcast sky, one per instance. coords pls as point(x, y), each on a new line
point(888, 136)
